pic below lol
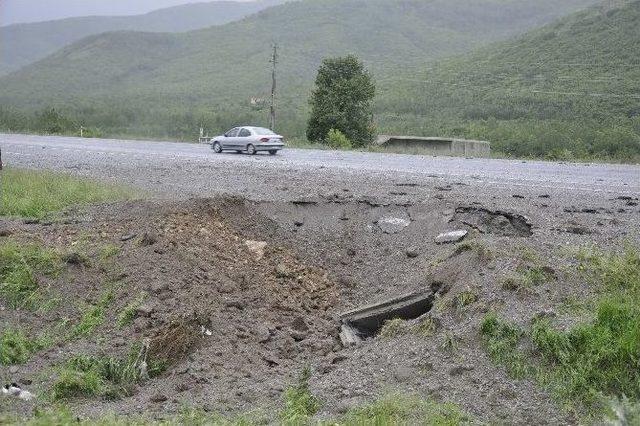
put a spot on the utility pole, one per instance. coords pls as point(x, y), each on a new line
point(274, 61)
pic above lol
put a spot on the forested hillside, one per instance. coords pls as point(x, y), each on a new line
point(167, 85)
point(570, 89)
point(23, 44)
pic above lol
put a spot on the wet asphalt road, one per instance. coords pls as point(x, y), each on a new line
point(183, 169)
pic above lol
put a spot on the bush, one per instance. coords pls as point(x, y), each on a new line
point(337, 140)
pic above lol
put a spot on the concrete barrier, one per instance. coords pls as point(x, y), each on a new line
point(438, 146)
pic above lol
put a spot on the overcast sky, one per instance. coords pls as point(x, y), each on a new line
point(14, 11)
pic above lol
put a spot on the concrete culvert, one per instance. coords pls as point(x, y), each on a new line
point(366, 322)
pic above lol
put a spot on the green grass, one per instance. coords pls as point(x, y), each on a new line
point(16, 347)
point(502, 341)
point(20, 268)
point(299, 403)
point(93, 316)
point(405, 410)
point(593, 362)
point(108, 377)
point(33, 194)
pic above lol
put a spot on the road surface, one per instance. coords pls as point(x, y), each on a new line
point(185, 169)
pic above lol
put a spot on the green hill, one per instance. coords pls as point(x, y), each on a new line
point(23, 44)
point(570, 89)
point(168, 84)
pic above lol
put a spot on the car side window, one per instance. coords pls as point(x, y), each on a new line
point(244, 133)
point(232, 133)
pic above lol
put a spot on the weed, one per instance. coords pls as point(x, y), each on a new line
point(450, 343)
point(428, 326)
point(129, 312)
point(73, 383)
point(536, 275)
point(19, 267)
point(93, 316)
point(392, 328)
point(596, 358)
point(465, 298)
point(484, 253)
point(511, 283)
point(109, 251)
point(34, 194)
point(300, 404)
point(337, 140)
point(624, 412)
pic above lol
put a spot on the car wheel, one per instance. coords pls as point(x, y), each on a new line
point(251, 150)
point(217, 148)
point(273, 152)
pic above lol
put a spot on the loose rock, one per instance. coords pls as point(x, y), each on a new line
point(451, 237)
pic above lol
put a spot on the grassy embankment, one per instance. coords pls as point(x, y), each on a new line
point(33, 194)
point(590, 367)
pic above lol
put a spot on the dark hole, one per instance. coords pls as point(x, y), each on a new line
point(368, 321)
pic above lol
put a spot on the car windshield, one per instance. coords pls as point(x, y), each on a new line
point(262, 131)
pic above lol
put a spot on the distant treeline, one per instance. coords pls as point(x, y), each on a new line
point(611, 138)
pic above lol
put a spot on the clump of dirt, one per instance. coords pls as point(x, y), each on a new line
point(494, 222)
point(173, 342)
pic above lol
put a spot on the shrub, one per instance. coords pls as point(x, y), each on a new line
point(337, 140)
point(342, 100)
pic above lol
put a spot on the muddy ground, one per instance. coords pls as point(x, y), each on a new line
point(269, 280)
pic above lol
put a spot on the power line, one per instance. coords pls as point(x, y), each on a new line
point(274, 61)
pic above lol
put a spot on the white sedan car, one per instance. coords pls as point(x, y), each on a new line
point(248, 139)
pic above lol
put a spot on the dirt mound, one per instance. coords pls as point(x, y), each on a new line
point(191, 286)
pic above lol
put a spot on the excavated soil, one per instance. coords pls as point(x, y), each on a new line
point(239, 296)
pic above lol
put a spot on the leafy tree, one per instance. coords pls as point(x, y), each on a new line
point(343, 101)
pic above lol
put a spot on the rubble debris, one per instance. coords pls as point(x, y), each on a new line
point(393, 225)
point(256, 248)
point(148, 239)
point(452, 236)
point(349, 336)
point(16, 391)
point(412, 252)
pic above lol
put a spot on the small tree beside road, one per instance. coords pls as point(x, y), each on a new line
point(342, 101)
